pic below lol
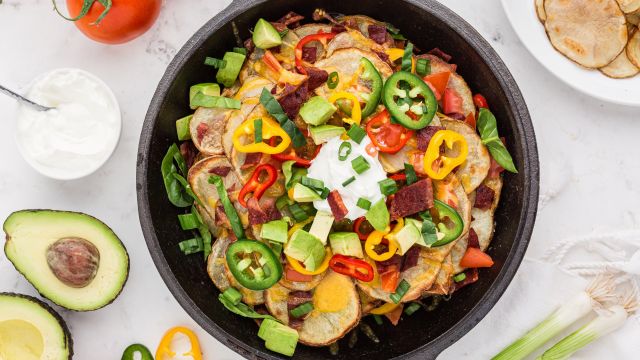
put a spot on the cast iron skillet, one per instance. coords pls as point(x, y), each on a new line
point(428, 24)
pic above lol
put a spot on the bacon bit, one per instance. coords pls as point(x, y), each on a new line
point(310, 54)
point(317, 77)
point(377, 33)
point(220, 170)
point(424, 136)
point(412, 199)
point(471, 277)
point(484, 197)
point(473, 241)
point(441, 54)
point(338, 209)
point(291, 19)
point(202, 130)
point(188, 152)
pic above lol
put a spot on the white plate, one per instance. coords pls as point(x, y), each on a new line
point(523, 18)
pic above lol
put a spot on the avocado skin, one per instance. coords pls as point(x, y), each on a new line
point(8, 239)
point(49, 309)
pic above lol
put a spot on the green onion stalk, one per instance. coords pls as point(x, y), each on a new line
point(607, 322)
point(600, 291)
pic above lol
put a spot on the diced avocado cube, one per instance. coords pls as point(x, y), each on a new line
point(407, 237)
point(182, 128)
point(346, 243)
point(229, 73)
point(266, 327)
point(317, 111)
point(322, 134)
point(209, 89)
point(265, 35)
point(321, 226)
point(306, 248)
point(302, 193)
point(282, 339)
point(378, 215)
point(275, 231)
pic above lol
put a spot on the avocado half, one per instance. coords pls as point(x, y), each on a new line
point(31, 330)
point(71, 258)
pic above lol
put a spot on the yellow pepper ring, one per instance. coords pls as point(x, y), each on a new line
point(450, 138)
point(270, 128)
point(356, 111)
point(375, 238)
point(395, 54)
point(164, 348)
point(295, 264)
point(384, 309)
point(299, 226)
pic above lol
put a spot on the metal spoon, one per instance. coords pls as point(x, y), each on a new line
point(24, 100)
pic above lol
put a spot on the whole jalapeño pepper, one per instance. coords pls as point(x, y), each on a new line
point(439, 166)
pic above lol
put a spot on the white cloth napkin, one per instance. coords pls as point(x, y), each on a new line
point(538, 288)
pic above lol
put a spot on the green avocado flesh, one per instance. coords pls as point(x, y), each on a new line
point(30, 330)
point(32, 235)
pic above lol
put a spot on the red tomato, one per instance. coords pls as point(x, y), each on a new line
point(389, 280)
point(293, 275)
point(480, 101)
point(475, 258)
point(386, 136)
point(438, 83)
point(394, 315)
point(452, 102)
point(125, 21)
point(471, 120)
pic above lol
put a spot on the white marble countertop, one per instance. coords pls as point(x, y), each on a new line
point(588, 152)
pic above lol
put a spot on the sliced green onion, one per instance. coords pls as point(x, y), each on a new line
point(601, 290)
point(460, 277)
point(356, 133)
point(423, 67)
point(413, 307)
point(349, 181)
point(388, 187)
point(309, 209)
point(188, 221)
point(283, 201)
point(274, 108)
point(257, 134)
point(276, 247)
point(401, 290)
point(312, 183)
point(216, 63)
point(298, 214)
point(364, 203)
point(324, 193)
point(301, 310)
point(377, 319)
point(191, 246)
point(344, 150)
point(240, 50)
point(229, 209)
point(333, 80)
point(398, 37)
point(283, 33)
point(360, 164)
point(407, 58)
point(202, 100)
point(232, 295)
point(410, 172)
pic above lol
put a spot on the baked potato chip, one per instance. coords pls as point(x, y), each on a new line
point(216, 261)
point(633, 49)
point(621, 67)
point(629, 6)
point(542, 15)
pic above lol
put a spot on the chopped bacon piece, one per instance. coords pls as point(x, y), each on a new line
point(280, 27)
point(384, 57)
point(292, 18)
point(220, 170)
point(377, 33)
point(471, 277)
point(457, 116)
point(337, 205)
point(221, 217)
point(188, 152)
point(424, 136)
point(495, 169)
point(337, 29)
point(411, 258)
point(412, 199)
point(262, 213)
point(295, 324)
point(310, 54)
point(394, 263)
point(484, 197)
point(317, 77)
point(251, 160)
point(395, 314)
point(291, 102)
point(441, 54)
point(202, 130)
point(473, 242)
point(297, 298)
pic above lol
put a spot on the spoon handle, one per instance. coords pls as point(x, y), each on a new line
point(23, 100)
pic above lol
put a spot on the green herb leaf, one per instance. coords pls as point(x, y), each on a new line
point(407, 58)
point(242, 309)
point(488, 129)
point(410, 172)
point(392, 29)
point(273, 107)
point(429, 231)
point(229, 210)
point(176, 193)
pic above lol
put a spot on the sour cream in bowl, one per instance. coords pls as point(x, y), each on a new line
point(79, 135)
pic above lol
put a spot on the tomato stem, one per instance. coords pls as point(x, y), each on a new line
point(86, 6)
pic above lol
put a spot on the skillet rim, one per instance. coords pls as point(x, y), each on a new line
point(522, 126)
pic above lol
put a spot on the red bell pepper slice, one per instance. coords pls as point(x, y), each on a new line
point(322, 37)
point(386, 136)
point(291, 155)
point(480, 101)
point(356, 268)
point(398, 177)
point(357, 228)
point(256, 185)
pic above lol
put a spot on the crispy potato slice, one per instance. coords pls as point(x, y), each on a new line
point(456, 82)
point(352, 39)
point(206, 129)
point(302, 286)
point(198, 178)
point(249, 297)
point(542, 15)
point(216, 261)
point(629, 6)
point(320, 328)
point(475, 169)
point(422, 276)
point(367, 303)
point(483, 224)
point(443, 282)
point(633, 49)
point(633, 18)
point(362, 23)
point(312, 29)
point(621, 67)
point(592, 33)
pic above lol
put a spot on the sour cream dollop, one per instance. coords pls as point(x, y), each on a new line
point(78, 136)
point(333, 172)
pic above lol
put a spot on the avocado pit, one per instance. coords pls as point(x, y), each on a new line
point(74, 261)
